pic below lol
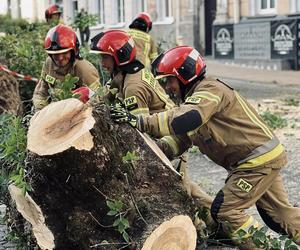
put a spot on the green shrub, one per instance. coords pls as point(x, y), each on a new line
point(9, 25)
point(274, 120)
point(12, 153)
point(22, 51)
point(291, 102)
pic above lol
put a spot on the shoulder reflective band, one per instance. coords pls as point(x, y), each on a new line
point(150, 80)
point(186, 122)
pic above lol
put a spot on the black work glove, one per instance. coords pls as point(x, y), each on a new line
point(120, 115)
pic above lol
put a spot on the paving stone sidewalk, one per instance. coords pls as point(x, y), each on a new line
point(234, 71)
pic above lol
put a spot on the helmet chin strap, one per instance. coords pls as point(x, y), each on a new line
point(71, 61)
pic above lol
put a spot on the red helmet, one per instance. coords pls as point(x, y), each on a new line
point(53, 9)
point(116, 43)
point(60, 39)
point(142, 17)
point(184, 62)
point(84, 93)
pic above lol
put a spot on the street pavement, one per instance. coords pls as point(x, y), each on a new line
point(227, 70)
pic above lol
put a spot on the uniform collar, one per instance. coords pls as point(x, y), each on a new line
point(192, 89)
point(64, 70)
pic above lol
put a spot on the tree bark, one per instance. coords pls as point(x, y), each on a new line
point(72, 186)
point(10, 101)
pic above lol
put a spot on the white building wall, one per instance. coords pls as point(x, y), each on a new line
point(14, 8)
point(3, 7)
point(27, 10)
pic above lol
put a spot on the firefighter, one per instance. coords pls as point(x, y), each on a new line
point(53, 14)
point(135, 84)
point(140, 92)
point(227, 129)
point(139, 30)
point(62, 47)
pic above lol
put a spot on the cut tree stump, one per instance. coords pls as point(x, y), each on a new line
point(178, 233)
point(76, 166)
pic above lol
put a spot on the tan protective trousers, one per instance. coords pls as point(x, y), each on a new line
point(263, 188)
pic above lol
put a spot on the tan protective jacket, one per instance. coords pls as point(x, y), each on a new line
point(146, 48)
point(87, 73)
point(141, 93)
point(231, 133)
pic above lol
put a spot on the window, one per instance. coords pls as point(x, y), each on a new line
point(295, 6)
point(190, 5)
point(267, 6)
point(117, 12)
point(161, 11)
point(100, 11)
point(121, 11)
point(74, 8)
point(138, 7)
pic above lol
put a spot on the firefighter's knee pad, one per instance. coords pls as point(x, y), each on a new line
point(216, 205)
point(268, 220)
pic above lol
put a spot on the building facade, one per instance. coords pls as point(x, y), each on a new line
point(261, 33)
point(179, 22)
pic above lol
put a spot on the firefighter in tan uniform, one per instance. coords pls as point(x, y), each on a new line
point(229, 131)
point(62, 47)
point(137, 88)
point(53, 15)
point(145, 45)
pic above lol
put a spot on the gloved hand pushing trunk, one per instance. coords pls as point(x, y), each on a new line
point(120, 115)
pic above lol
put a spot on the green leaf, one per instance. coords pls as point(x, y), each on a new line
point(126, 236)
point(116, 222)
point(118, 205)
point(287, 243)
point(121, 227)
point(292, 247)
point(125, 222)
point(110, 204)
point(112, 212)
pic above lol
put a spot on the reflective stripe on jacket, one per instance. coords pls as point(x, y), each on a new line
point(231, 132)
point(87, 73)
point(146, 49)
point(143, 94)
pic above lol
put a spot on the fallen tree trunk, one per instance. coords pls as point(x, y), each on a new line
point(10, 101)
point(84, 187)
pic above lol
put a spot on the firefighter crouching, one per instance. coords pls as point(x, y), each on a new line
point(226, 128)
point(62, 47)
point(139, 30)
point(136, 87)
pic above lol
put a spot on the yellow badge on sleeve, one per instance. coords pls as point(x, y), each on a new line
point(244, 185)
point(50, 79)
point(193, 100)
point(131, 103)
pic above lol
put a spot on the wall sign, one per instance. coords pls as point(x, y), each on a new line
point(284, 39)
point(223, 41)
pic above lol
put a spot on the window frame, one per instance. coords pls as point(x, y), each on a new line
point(139, 6)
point(115, 23)
point(97, 6)
point(162, 16)
point(268, 10)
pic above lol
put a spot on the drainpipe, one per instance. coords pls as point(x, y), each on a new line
point(236, 11)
